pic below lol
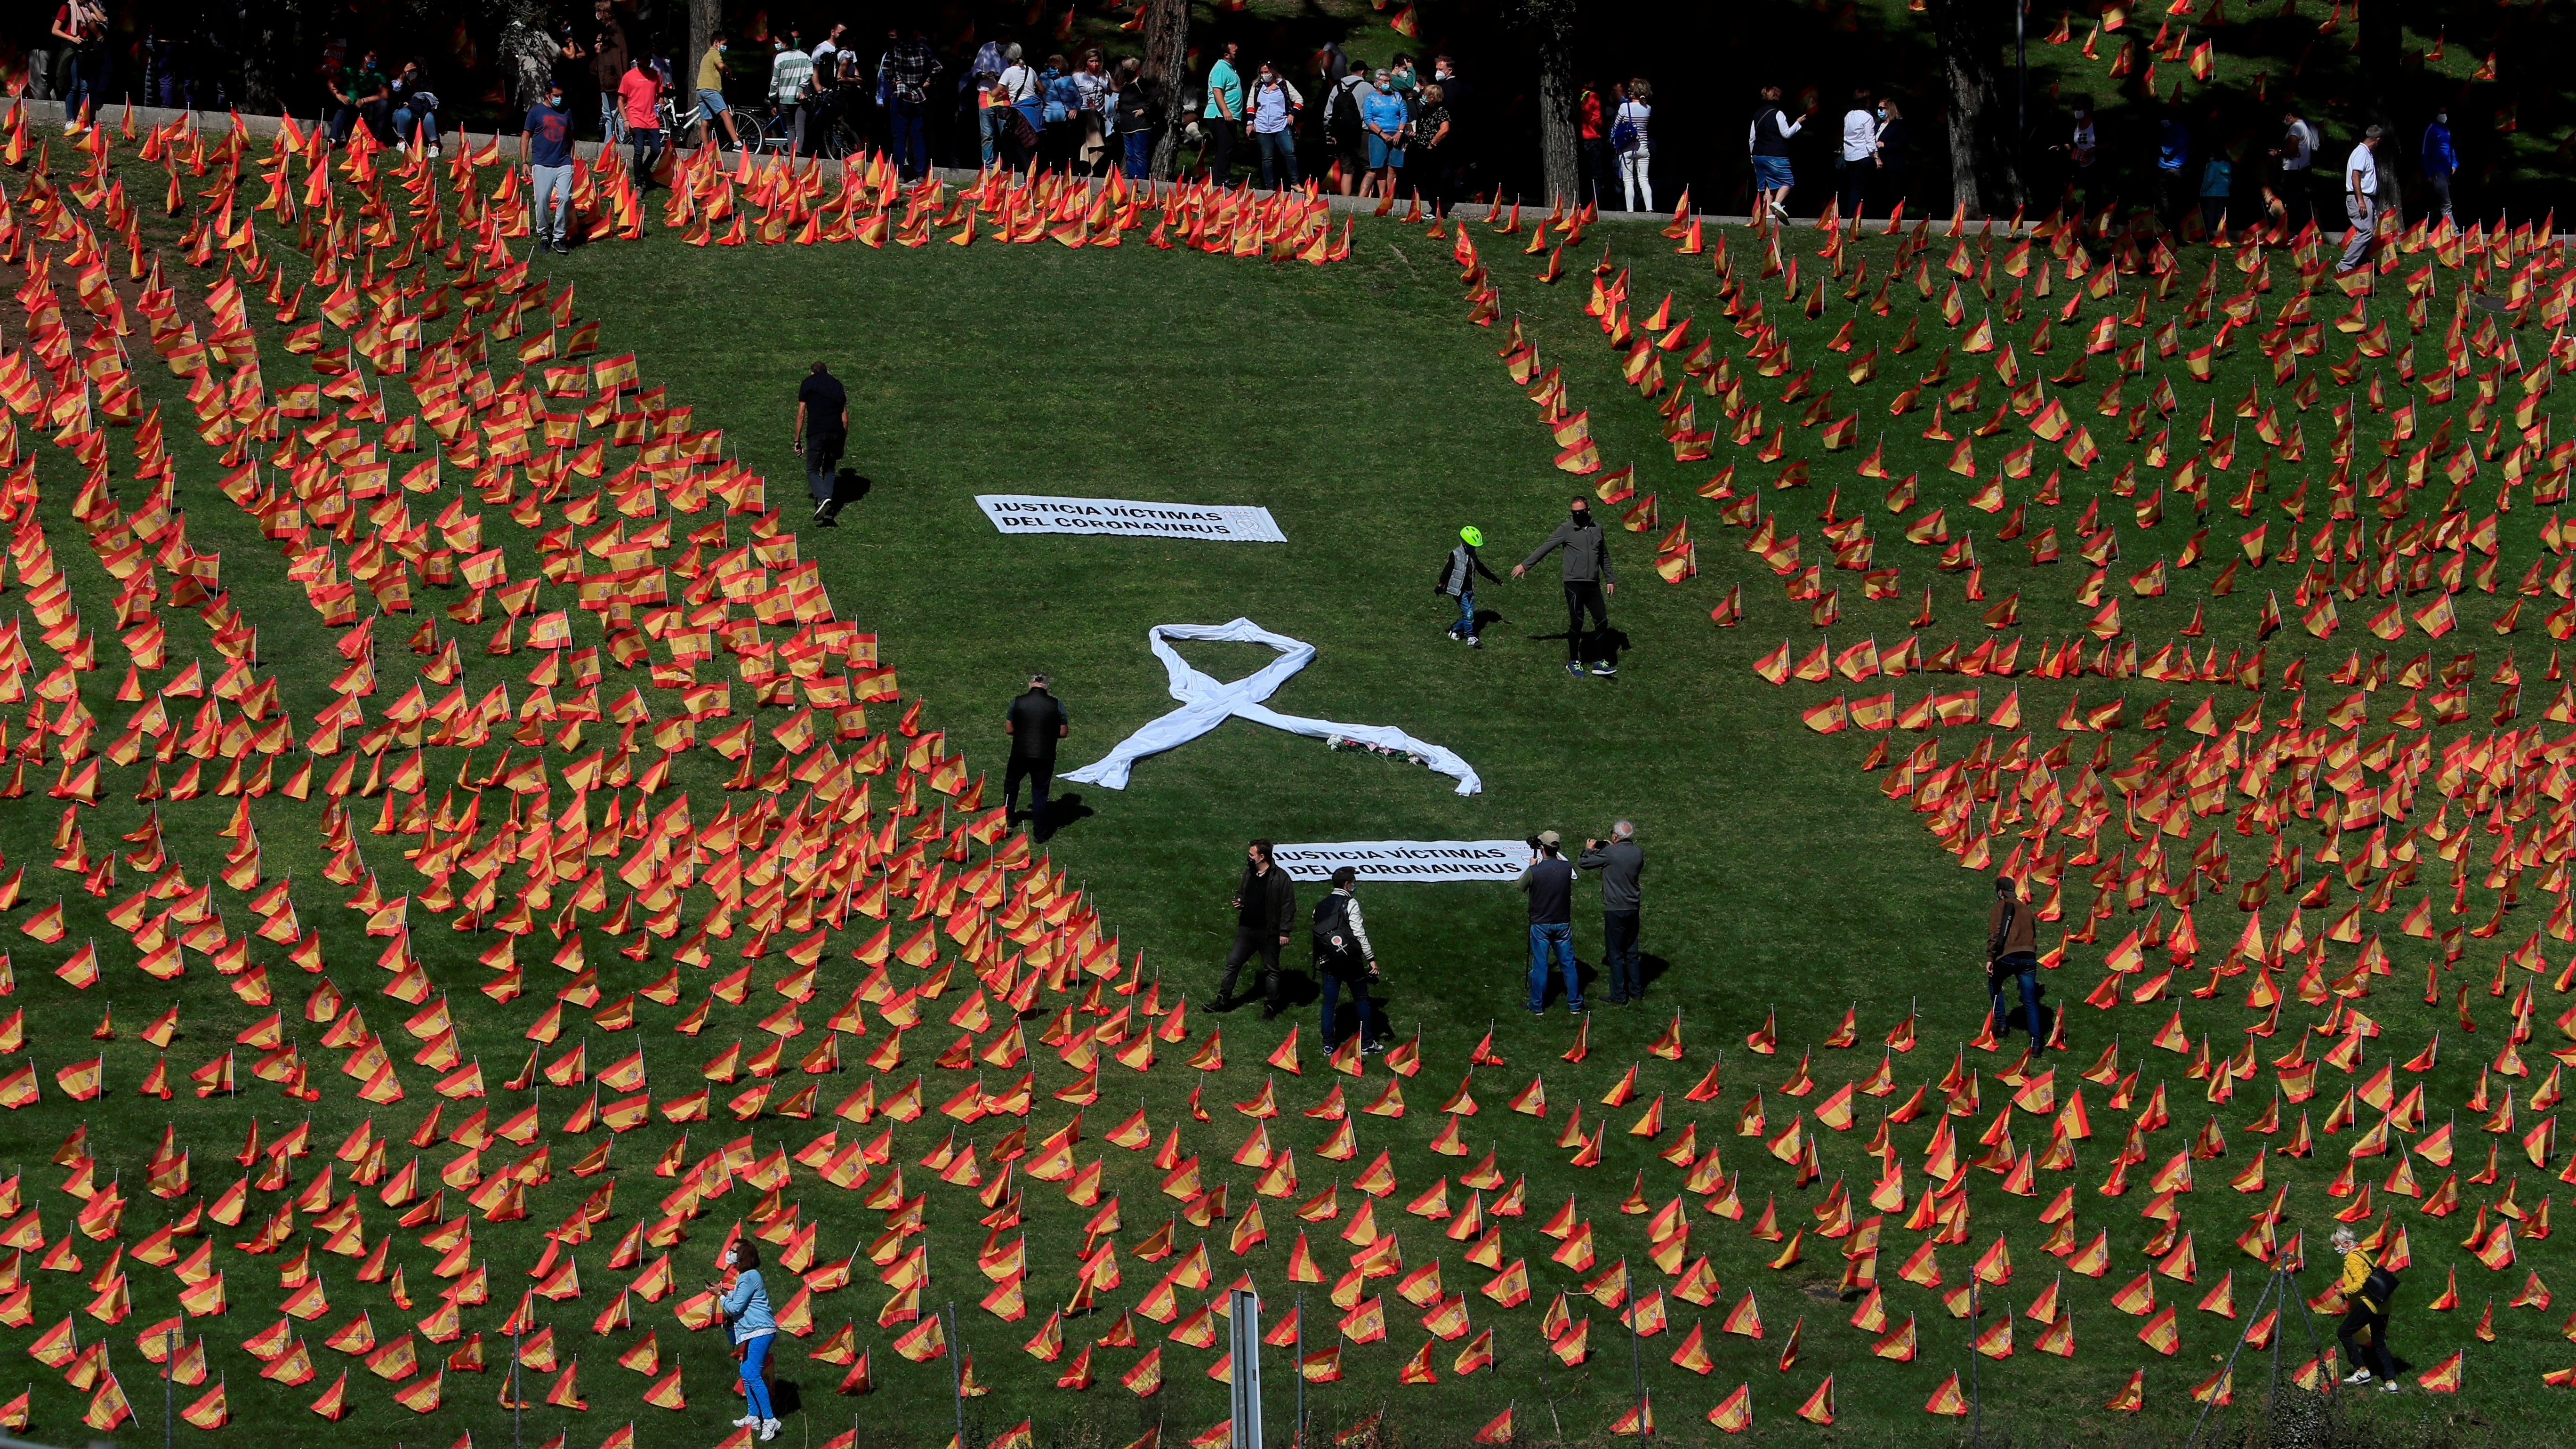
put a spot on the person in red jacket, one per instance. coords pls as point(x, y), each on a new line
point(1592, 134)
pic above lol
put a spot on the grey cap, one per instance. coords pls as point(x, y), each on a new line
point(2373, 133)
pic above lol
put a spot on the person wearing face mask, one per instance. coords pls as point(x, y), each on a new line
point(1890, 185)
point(748, 1326)
point(2440, 162)
point(711, 100)
point(1589, 578)
point(1273, 110)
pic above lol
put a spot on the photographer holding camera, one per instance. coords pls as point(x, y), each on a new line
point(1620, 862)
point(1549, 879)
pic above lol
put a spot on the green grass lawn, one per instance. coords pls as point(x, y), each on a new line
point(1357, 404)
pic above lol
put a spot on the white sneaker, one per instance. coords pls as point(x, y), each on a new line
point(436, 149)
point(2358, 1376)
point(2389, 1387)
point(768, 1429)
point(746, 1421)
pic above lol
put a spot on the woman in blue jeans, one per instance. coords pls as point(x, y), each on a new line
point(747, 1321)
point(1137, 105)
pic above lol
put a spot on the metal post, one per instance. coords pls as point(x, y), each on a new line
point(1298, 1439)
point(956, 1371)
point(2021, 106)
point(1976, 1397)
point(1243, 1333)
point(2275, 1291)
point(1636, 1360)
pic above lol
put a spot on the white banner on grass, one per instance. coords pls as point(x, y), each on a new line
point(1221, 523)
point(1423, 861)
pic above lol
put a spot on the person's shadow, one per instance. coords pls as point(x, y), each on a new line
point(2018, 1015)
point(1061, 811)
point(1607, 643)
point(848, 487)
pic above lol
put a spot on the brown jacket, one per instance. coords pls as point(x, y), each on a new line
point(2019, 937)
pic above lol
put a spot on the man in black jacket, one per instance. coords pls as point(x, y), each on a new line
point(1549, 879)
point(1265, 905)
point(1035, 722)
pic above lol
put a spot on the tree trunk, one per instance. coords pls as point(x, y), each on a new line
point(705, 18)
point(2382, 43)
point(260, 43)
point(1552, 33)
point(2382, 39)
point(1167, 50)
point(1981, 163)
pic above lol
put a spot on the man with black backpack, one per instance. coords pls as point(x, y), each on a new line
point(1344, 959)
point(1345, 139)
point(2012, 954)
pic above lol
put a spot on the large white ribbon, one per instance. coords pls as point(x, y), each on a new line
point(1207, 702)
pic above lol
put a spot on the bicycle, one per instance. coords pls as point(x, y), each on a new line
point(677, 124)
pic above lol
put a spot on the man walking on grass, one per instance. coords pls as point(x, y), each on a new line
point(1265, 903)
point(2012, 957)
point(1549, 880)
point(822, 428)
point(1589, 579)
point(1035, 722)
point(1621, 862)
point(545, 148)
point(2361, 200)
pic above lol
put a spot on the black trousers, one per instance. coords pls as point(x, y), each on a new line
point(1039, 774)
point(2373, 1355)
point(1578, 598)
point(1220, 147)
point(1247, 941)
point(2298, 198)
point(1619, 954)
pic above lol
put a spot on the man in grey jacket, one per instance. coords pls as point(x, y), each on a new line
point(1620, 862)
point(1588, 580)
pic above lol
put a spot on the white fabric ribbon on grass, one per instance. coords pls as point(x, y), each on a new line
point(1207, 702)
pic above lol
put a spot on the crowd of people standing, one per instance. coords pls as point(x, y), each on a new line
point(2214, 163)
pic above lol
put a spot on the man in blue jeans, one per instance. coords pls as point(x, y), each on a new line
point(1549, 879)
point(2012, 955)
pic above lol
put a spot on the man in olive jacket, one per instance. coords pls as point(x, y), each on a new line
point(1265, 906)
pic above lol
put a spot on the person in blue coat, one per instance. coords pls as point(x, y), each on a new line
point(749, 1326)
point(2440, 161)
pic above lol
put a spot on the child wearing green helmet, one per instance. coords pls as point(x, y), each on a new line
point(1457, 580)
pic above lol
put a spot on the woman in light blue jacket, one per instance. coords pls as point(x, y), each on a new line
point(748, 1324)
